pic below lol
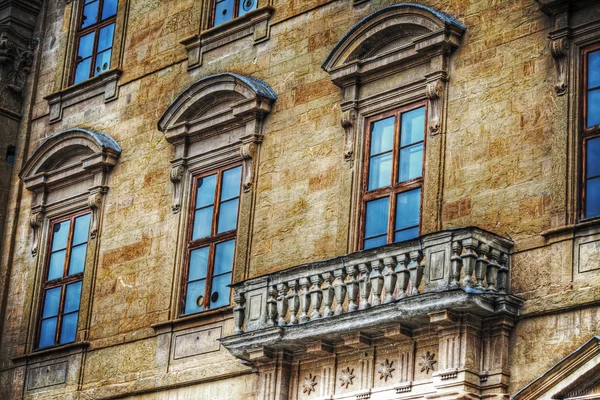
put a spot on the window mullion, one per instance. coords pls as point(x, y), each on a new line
point(63, 290)
point(209, 272)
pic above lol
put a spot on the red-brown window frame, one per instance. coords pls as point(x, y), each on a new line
point(213, 10)
point(59, 282)
point(92, 28)
point(395, 188)
point(586, 133)
point(212, 240)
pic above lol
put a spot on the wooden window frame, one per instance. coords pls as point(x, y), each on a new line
point(395, 188)
point(236, 8)
point(59, 282)
point(92, 28)
point(586, 133)
point(210, 241)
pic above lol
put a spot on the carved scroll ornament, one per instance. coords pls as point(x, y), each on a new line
point(15, 63)
point(248, 151)
point(349, 124)
point(35, 221)
point(560, 49)
point(435, 92)
point(94, 202)
point(176, 178)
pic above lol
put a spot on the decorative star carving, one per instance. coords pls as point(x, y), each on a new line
point(346, 376)
point(385, 370)
point(427, 362)
point(309, 384)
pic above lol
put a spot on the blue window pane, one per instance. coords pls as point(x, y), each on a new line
point(61, 235)
point(82, 227)
point(68, 328)
point(223, 11)
point(202, 223)
point(198, 264)
point(86, 46)
point(105, 38)
point(375, 242)
point(230, 187)
point(224, 257)
point(90, 14)
point(406, 234)
point(51, 302)
point(220, 293)
point(194, 298)
point(82, 71)
point(593, 158)
point(382, 136)
point(413, 126)
point(57, 265)
point(411, 163)
point(228, 216)
point(408, 206)
point(77, 262)
point(109, 8)
point(247, 5)
point(102, 62)
point(592, 198)
point(47, 332)
point(205, 195)
point(594, 69)
point(376, 219)
point(72, 297)
point(380, 171)
point(593, 108)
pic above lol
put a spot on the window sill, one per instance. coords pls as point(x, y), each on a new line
point(55, 352)
point(254, 23)
point(106, 83)
point(202, 318)
point(573, 228)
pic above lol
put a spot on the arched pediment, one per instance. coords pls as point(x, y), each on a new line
point(216, 101)
point(67, 154)
point(392, 35)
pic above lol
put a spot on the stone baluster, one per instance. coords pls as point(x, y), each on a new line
point(503, 274)
point(402, 274)
point(416, 270)
point(481, 265)
point(339, 287)
point(316, 296)
point(492, 271)
point(365, 285)
point(352, 286)
point(304, 299)
point(456, 264)
point(271, 306)
point(389, 279)
point(377, 281)
point(293, 301)
point(469, 258)
point(239, 311)
point(282, 303)
point(327, 293)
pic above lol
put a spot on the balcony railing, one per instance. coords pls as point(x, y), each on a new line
point(468, 265)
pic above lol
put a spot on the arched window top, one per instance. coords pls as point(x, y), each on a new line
point(220, 99)
point(67, 154)
point(393, 34)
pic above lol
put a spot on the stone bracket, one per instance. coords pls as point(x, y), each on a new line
point(95, 202)
point(434, 91)
point(560, 52)
point(349, 124)
point(176, 178)
point(35, 222)
point(248, 152)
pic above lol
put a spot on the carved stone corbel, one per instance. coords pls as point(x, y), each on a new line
point(16, 59)
point(94, 202)
point(176, 178)
point(349, 124)
point(248, 152)
point(435, 92)
point(560, 50)
point(35, 221)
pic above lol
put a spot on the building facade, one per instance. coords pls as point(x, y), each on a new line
point(299, 199)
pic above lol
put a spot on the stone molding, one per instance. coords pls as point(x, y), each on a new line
point(255, 23)
point(106, 84)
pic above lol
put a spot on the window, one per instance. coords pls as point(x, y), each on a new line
point(94, 39)
point(591, 132)
point(63, 276)
point(211, 247)
point(393, 177)
point(226, 10)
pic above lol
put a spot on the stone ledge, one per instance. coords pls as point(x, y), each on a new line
point(106, 83)
point(255, 22)
point(50, 353)
point(195, 320)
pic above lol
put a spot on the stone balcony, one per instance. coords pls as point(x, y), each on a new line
point(373, 296)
